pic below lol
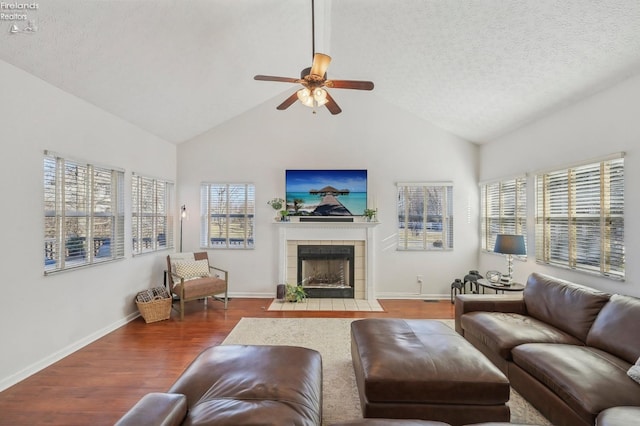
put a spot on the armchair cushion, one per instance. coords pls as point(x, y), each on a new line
point(200, 287)
point(192, 269)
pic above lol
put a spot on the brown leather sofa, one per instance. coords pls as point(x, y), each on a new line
point(239, 385)
point(566, 348)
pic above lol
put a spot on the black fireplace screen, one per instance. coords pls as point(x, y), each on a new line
point(326, 267)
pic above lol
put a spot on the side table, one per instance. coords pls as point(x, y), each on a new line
point(484, 283)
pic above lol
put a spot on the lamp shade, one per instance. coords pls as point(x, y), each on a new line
point(510, 244)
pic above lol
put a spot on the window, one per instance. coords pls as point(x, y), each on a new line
point(580, 218)
point(152, 221)
point(228, 215)
point(503, 208)
point(425, 216)
point(83, 213)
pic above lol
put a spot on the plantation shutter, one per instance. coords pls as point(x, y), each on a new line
point(152, 220)
point(503, 210)
point(227, 215)
point(83, 212)
point(425, 216)
point(580, 218)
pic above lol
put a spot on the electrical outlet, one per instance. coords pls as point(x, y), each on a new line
point(419, 279)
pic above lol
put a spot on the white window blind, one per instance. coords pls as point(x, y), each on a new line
point(83, 213)
point(503, 208)
point(151, 214)
point(227, 215)
point(580, 218)
point(425, 216)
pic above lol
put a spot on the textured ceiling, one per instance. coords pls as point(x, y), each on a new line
point(477, 69)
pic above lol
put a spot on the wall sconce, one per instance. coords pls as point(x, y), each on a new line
point(183, 215)
point(510, 245)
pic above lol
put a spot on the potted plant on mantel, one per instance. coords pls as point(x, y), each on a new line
point(295, 293)
point(370, 214)
point(277, 204)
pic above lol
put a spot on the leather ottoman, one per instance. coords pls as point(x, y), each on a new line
point(389, 422)
point(234, 385)
point(422, 369)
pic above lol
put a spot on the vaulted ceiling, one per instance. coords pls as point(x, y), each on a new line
point(478, 69)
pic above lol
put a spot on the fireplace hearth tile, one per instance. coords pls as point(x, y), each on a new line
point(324, 304)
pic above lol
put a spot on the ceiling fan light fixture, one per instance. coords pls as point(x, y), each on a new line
point(320, 96)
point(304, 95)
point(314, 79)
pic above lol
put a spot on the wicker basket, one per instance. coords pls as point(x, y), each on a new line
point(153, 309)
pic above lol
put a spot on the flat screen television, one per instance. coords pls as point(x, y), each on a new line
point(326, 192)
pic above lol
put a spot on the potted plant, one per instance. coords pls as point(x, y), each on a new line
point(284, 215)
point(277, 204)
point(295, 293)
point(370, 214)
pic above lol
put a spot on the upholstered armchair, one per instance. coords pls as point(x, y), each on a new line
point(191, 277)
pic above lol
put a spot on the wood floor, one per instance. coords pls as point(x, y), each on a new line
point(99, 383)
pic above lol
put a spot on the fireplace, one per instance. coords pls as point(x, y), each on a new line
point(358, 234)
point(326, 270)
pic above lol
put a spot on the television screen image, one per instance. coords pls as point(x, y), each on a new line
point(326, 192)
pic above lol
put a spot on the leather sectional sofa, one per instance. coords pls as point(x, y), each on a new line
point(566, 348)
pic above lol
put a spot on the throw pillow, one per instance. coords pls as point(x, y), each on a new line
point(192, 269)
point(634, 371)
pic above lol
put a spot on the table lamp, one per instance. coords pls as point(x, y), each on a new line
point(509, 244)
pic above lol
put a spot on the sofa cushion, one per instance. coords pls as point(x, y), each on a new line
point(587, 379)
point(570, 307)
point(615, 330)
point(501, 331)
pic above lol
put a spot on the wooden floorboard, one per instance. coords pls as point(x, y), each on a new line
point(100, 382)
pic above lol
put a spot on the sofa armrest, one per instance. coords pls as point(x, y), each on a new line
point(488, 303)
point(166, 409)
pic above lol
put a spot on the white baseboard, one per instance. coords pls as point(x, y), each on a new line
point(412, 296)
point(68, 350)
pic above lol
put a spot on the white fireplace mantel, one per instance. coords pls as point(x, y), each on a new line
point(319, 231)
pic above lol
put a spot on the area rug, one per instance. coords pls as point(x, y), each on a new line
point(331, 337)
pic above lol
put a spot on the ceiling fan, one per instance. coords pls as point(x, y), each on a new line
point(314, 80)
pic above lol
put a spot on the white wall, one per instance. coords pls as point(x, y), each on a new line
point(45, 318)
point(605, 123)
point(370, 134)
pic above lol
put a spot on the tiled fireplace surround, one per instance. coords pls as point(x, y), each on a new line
point(357, 233)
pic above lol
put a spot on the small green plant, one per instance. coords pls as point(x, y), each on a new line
point(370, 213)
point(276, 203)
point(295, 293)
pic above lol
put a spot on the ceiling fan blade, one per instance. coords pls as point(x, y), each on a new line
point(349, 84)
point(272, 78)
point(288, 102)
point(320, 64)
point(332, 106)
